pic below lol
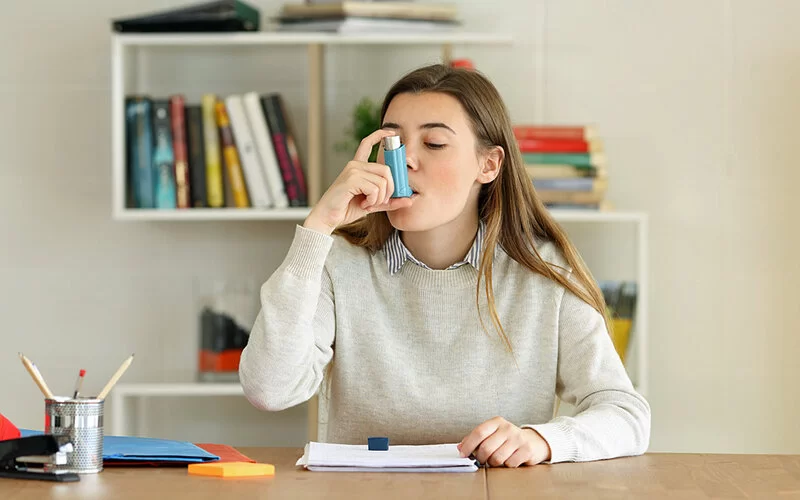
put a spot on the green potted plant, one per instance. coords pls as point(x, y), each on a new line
point(366, 119)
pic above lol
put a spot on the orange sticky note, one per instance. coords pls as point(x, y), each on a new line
point(231, 469)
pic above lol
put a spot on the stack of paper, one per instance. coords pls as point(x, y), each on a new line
point(358, 458)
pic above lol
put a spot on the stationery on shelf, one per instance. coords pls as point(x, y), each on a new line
point(408, 458)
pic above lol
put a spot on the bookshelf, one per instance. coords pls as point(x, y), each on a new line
point(127, 48)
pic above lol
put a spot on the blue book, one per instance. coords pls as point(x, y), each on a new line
point(163, 157)
point(565, 184)
point(139, 133)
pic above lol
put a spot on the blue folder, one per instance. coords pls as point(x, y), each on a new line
point(138, 449)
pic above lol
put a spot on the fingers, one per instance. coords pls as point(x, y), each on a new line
point(470, 443)
point(365, 147)
point(372, 186)
point(518, 458)
point(489, 446)
point(501, 455)
point(386, 173)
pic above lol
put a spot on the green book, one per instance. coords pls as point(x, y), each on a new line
point(585, 160)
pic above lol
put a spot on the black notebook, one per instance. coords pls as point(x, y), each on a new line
point(220, 15)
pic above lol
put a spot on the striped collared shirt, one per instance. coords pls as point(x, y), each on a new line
point(397, 253)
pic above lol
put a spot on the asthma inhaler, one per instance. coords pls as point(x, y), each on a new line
point(394, 155)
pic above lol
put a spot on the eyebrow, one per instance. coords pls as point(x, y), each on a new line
point(394, 126)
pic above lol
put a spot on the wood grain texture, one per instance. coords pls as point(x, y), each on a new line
point(655, 477)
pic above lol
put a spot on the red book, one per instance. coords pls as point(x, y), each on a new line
point(178, 122)
point(568, 132)
point(556, 146)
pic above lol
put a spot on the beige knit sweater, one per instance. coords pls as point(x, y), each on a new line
point(411, 361)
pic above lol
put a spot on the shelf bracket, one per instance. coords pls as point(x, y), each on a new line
point(316, 67)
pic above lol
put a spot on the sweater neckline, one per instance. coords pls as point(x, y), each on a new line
point(461, 277)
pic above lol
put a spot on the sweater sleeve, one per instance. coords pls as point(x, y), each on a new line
point(611, 419)
point(291, 342)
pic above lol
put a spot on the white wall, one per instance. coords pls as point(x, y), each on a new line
point(696, 102)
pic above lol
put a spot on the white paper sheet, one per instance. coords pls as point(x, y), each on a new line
point(358, 458)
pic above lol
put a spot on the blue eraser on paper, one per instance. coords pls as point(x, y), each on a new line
point(378, 443)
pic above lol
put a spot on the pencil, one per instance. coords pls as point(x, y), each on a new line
point(115, 378)
point(78, 384)
point(37, 377)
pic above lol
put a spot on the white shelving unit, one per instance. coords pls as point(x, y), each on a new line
point(127, 48)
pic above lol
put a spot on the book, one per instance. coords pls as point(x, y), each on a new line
point(558, 171)
point(386, 10)
point(245, 146)
point(588, 184)
point(216, 16)
point(585, 132)
point(285, 149)
point(534, 145)
point(365, 25)
point(571, 197)
point(215, 191)
point(163, 157)
point(329, 457)
point(576, 159)
point(230, 156)
point(266, 150)
point(196, 152)
point(139, 135)
point(177, 112)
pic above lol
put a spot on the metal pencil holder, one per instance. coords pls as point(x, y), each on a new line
point(82, 420)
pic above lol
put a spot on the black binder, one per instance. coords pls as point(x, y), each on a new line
point(217, 16)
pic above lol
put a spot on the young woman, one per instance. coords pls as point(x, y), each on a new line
point(457, 315)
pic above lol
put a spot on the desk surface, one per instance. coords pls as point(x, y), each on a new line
point(653, 476)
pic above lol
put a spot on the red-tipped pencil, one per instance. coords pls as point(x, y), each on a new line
point(78, 384)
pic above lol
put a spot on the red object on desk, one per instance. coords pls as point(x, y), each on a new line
point(224, 452)
point(7, 429)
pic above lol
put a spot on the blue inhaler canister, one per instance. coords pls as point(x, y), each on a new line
point(394, 155)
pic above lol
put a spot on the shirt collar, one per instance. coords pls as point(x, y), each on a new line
point(397, 253)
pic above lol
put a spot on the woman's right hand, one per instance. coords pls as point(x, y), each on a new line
point(360, 189)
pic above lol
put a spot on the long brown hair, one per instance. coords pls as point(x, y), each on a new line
point(513, 213)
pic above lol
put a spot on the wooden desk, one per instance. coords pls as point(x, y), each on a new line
point(653, 476)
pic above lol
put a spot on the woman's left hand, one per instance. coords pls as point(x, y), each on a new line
point(498, 442)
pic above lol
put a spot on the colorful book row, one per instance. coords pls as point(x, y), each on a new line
point(238, 151)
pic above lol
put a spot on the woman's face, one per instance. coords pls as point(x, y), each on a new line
point(444, 168)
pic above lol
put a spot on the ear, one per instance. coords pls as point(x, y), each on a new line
point(491, 163)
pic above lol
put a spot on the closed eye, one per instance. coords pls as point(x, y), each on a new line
point(435, 146)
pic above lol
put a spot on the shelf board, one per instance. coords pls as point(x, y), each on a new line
point(180, 389)
point(287, 38)
point(211, 214)
point(300, 214)
point(597, 216)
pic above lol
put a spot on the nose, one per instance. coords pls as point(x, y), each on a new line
point(411, 159)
